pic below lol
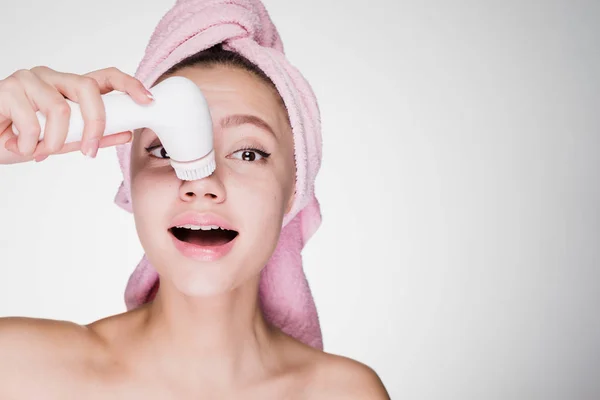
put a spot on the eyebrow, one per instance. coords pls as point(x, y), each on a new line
point(241, 119)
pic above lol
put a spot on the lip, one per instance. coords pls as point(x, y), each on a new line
point(202, 253)
point(194, 218)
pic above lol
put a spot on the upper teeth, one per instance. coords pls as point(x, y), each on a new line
point(200, 227)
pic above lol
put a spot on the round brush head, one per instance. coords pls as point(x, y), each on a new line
point(196, 169)
point(181, 119)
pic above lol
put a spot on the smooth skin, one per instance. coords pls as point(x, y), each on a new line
point(204, 335)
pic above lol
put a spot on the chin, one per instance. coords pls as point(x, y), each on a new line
point(203, 280)
point(200, 288)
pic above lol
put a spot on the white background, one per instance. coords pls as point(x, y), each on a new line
point(459, 252)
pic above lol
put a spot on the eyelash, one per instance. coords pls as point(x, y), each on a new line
point(150, 149)
point(257, 149)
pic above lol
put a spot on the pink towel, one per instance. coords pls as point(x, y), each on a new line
point(245, 27)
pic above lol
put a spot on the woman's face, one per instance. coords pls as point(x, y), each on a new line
point(249, 192)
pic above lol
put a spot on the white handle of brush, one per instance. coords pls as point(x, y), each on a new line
point(122, 114)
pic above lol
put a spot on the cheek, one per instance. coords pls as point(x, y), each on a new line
point(152, 194)
point(150, 179)
point(257, 194)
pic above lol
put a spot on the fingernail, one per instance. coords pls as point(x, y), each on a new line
point(91, 146)
point(40, 158)
point(149, 95)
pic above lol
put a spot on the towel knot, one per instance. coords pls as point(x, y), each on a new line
point(218, 21)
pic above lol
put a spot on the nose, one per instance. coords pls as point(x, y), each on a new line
point(210, 188)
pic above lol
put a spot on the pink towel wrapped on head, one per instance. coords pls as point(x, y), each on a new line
point(244, 26)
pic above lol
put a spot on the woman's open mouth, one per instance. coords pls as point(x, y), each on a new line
point(212, 235)
point(205, 243)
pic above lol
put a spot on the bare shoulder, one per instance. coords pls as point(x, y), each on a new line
point(37, 350)
point(337, 377)
point(31, 337)
point(329, 376)
point(12, 325)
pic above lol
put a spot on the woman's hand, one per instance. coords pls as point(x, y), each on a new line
point(41, 88)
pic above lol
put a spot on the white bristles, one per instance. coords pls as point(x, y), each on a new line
point(194, 170)
point(195, 174)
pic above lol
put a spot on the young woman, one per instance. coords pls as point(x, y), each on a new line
point(204, 334)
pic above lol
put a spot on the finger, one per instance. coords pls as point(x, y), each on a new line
point(15, 105)
point(14, 155)
point(4, 123)
point(40, 158)
point(116, 139)
point(86, 93)
point(94, 115)
point(53, 105)
point(113, 79)
point(106, 141)
point(11, 145)
point(8, 139)
point(108, 79)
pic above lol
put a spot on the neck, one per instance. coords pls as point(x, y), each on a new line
point(224, 334)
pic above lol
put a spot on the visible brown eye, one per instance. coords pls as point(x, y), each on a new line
point(157, 151)
point(250, 155)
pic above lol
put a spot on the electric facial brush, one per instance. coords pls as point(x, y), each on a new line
point(179, 116)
